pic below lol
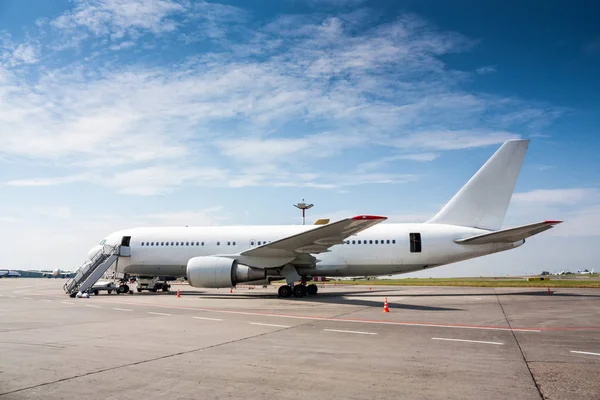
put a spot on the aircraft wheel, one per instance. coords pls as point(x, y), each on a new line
point(139, 290)
point(284, 291)
point(165, 288)
point(312, 289)
point(153, 290)
point(96, 292)
point(110, 291)
point(299, 290)
point(123, 289)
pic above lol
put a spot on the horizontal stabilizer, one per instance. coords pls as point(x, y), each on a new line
point(510, 235)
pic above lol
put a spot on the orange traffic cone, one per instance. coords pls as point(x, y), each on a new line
point(386, 308)
point(178, 293)
point(549, 290)
point(230, 290)
point(369, 287)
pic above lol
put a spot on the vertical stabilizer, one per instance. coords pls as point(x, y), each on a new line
point(483, 201)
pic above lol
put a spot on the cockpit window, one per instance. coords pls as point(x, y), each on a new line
point(103, 241)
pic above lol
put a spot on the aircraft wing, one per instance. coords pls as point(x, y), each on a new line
point(317, 240)
point(509, 235)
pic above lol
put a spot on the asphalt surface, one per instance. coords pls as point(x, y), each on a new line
point(435, 343)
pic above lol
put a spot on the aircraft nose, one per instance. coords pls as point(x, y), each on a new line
point(94, 250)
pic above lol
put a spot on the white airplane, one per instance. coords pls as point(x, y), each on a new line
point(585, 272)
point(468, 226)
point(55, 273)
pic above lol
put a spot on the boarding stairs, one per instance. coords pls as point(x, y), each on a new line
point(92, 270)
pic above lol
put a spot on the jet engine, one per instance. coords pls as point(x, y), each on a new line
point(219, 272)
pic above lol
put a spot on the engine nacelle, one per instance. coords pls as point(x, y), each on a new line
point(219, 272)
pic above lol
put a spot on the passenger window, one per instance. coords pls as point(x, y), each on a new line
point(202, 243)
point(187, 243)
point(393, 241)
point(162, 243)
point(377, 242)
point(228, 243)
point(370, 242)
point(166, 243)
point(142, 243)
point(172, 244)
point(354, 242)
point(415, 242)
point(218, 243)
point(198, 243)
point(234, 243)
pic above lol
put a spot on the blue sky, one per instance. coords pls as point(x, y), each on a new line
point(121, 113)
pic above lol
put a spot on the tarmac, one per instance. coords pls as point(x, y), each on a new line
point(435, 343)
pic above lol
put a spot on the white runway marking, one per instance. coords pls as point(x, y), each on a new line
point(464, 340)
point(122, 309)
point(342, 331)
point(353, 320)
point(273, 325)
point(585, 352)
point(66, 302)
point(27, 298)
point(208, 319)
point(91, 305)
point(477, 298)
point(158, 313)
point(46, 300)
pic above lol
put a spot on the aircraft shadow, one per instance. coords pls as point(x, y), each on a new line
point(343, 298)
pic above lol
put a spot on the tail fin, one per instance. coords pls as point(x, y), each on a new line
point(483, 201)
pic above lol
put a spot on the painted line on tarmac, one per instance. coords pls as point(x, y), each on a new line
point(66, 302)
point(159, 313)
point(208, 319)
point(273, 325)
point(342, 331)
point(365, 321)
point(27, 298)
point(585, 352)
point(464, 340)
point(121, 309)
point(91, 305)
point(46, 300)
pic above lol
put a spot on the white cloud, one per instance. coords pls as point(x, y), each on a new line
point(453, 140)
point(119, 18)
point(340, 86)
point(552, 197)
point(383, 161)
point(25, 54)
point(486, 70)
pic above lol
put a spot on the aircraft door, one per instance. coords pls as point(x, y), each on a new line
point(125, 250)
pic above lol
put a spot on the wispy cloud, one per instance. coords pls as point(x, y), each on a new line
point(119, 18)
point(486, 70)
point(552, 197)
point(293, 91)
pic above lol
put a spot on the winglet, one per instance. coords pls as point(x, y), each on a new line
point(362, 217)
point(553, 222)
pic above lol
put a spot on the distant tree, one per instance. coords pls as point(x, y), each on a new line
point(545, 273)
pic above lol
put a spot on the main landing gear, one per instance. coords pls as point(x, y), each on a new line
point(297, 290)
